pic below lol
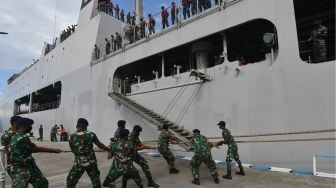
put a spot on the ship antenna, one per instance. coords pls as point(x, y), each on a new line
point(55, 19)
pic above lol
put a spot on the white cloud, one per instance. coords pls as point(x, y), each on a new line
point(29, 24)
point(7, 20)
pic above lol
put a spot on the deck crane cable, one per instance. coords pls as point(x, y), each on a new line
point(176, 97)
point(187, 105)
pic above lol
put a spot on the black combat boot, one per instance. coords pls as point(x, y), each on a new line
point(228, 175)
point(241, 172)
point(173, 171)
point(151, 183)
point(216, 180)
point(196, 181)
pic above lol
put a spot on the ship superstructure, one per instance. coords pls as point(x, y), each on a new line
point(191, 75)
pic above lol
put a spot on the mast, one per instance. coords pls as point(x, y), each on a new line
point(138, 10)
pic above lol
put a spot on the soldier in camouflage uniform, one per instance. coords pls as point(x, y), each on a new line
point(201, 148)
point(23, 168)
point(122, 164)
point(232, 152)
point(6, 139)
point(136, 145)
point(81, 144)
point(318, 36)
point(165, 138)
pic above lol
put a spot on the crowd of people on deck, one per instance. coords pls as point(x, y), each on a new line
point(64, 35)
point(67, 32)
point(137, 31)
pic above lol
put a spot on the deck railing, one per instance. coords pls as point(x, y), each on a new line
point(132, 35)
point(46, 106)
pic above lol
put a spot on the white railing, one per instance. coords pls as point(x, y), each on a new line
point(47, 106)
point(326, 156)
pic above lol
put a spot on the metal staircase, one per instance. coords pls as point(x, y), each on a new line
point(181, 134)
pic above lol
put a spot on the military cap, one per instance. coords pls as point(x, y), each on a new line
point(14, 119)
point(165, 126)
point(121, 123)
point(26, 122)
point(82, 121)
point(196, 131)
point(221, 123)
point(137, 128)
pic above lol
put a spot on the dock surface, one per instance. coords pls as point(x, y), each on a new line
point(56, 166)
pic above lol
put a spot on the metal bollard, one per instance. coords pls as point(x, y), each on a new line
point(3, 170)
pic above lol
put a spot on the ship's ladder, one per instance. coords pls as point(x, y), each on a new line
point(179, 132)
point(182, 135)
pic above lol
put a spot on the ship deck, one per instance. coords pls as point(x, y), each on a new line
point(56, 166)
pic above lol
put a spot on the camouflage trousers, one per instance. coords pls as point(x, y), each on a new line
point(196, 162)
point(22, 176)
point(138, 159)
point(168, 156)
point(77, 171)
point(115, 173)
point(232, 153)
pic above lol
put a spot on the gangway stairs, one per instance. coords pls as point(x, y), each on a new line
point(182, 135)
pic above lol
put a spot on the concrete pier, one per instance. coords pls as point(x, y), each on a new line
point(56, 166)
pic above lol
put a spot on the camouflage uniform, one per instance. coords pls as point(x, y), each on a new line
point(5, 141)
point(133, 142)
point(232, 152)
point(23, 169)
point(81, 144)
point(122, 164)
point(319, 46)
point(164, 150)
point(202, 154)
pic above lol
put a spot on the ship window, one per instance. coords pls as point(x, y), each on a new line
point(47, 98)
point(21, 105)
point(246, 40)
point(145, 69)
point(306, 13)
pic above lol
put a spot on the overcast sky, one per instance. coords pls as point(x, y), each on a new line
point(30, 23)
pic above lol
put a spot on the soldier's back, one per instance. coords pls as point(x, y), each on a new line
point(21, 149)
point(121, 151)
point(81, 144)
point(201, 147)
